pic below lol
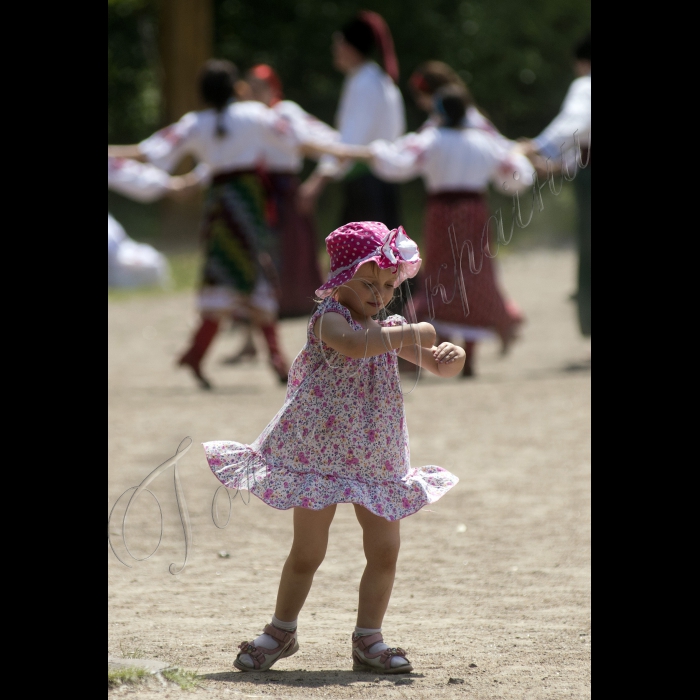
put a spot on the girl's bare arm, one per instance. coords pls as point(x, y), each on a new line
point(445, 360)
point(335, 331)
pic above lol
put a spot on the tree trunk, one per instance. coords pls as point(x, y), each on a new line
point(186, 37)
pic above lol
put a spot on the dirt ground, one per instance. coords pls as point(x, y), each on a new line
point(492, 596)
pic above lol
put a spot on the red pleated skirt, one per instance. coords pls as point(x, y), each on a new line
point(299, 274)
point(477, 301)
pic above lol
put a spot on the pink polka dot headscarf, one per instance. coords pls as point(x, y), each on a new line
point(360, 242)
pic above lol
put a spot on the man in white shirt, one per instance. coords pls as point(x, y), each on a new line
point(568, 139)
point(371, 107)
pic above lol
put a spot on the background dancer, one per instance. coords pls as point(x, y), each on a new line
point(457, 163)
point(426, 79)
point(558, 143)
point(228, 139)
point(371, 107)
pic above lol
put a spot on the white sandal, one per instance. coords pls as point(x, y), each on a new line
point(263, 658)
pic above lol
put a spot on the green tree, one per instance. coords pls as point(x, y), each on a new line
point(133, 70)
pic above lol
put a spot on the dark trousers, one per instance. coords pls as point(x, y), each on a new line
point(367, 198)
point(582, 185)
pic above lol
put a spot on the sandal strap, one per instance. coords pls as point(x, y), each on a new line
point(280, 636)
point(254, 653)
point(389, 654)
point(365, 642)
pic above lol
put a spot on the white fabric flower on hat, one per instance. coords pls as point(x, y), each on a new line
point(408, 250)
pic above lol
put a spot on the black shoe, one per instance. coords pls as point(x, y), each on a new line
point(203, 382)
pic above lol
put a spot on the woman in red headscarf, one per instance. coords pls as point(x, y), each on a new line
point(298, 262)
point(371, 107)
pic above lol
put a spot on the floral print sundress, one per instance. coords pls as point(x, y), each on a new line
point(340, 437)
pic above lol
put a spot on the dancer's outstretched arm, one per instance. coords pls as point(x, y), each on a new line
point(146, 183)
point(132, 151)
point(339, 150)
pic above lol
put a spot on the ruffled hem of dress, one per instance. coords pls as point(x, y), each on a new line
point(247, 470)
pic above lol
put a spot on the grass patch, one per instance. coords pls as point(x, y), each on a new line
point(185, 269)
point(187, 680)
point(120, 676)
point(132, 675)
point(133, 653)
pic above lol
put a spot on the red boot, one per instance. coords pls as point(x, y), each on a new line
point(277, 359)
point(200, 343)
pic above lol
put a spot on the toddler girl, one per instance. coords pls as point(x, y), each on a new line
point(341, 437)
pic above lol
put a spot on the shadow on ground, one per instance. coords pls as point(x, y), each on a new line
point(310, 679)
point(194, 390)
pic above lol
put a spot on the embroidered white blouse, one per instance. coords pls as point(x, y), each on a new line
point(250, 128)
point(452, 160)
point(371, 107)
point(574, 117)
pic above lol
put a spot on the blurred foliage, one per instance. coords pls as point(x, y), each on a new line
point(514, 54)
point(491, 44)
point(133, 70)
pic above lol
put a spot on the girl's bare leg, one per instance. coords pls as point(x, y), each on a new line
point(308, 551)
point(381, 540)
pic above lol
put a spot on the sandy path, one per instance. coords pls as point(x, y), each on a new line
point(510, 594)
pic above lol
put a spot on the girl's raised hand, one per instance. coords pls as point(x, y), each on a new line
point(446, 353)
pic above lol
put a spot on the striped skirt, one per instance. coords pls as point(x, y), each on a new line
point(239, 246)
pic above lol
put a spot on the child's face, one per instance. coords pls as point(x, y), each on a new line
point(369, 291)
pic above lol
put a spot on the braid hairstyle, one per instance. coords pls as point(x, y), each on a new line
point(451, 103)
point(216, 81)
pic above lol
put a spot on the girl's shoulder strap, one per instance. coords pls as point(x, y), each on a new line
point(329, 305)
